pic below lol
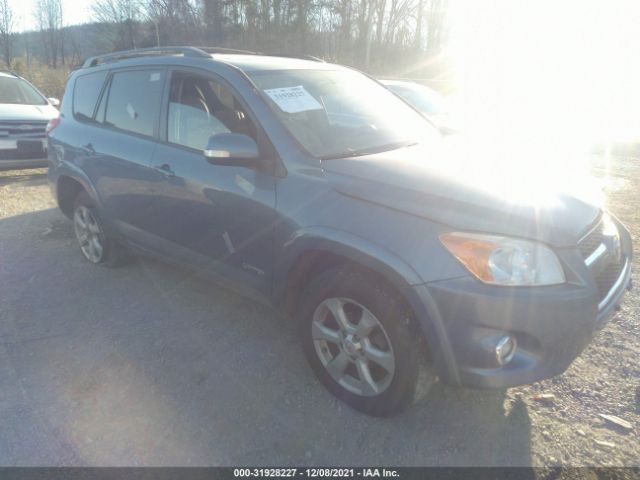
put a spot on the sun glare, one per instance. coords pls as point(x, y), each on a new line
point(541, 84)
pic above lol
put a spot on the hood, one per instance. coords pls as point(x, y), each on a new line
point(443, 122)
point(13, 112)
point(466, 196)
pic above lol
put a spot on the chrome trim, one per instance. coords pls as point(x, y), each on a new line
point(614, 289)
point(217, 154)
point(595, 255)
point(591, 230)
point(503, 342)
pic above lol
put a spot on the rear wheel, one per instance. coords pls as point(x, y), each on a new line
point(95, 244)
point(358, 339)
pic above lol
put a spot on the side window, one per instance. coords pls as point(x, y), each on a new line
point(134, 101)
point(85, 94)
point(200, 107)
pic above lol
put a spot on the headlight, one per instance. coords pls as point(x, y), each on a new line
point(505, 261)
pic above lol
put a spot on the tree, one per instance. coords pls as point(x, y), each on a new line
point(125, 16)
point(6, 31)
point(176, 21)
point(48, 15)
point(214, 21)
point(381, 36)
point(435, 25)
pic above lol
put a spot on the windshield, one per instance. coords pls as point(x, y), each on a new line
point(16, 91)
point(339, 113)
point(421, 98)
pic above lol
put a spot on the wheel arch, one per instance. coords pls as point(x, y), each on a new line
point(313, 251)
point(68, 184)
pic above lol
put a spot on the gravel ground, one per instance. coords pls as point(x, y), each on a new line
point(146, 365)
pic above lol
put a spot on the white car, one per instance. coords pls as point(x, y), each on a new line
point(24, 114)
point(424, 99)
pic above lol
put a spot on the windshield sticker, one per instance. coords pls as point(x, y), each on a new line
point(293, 99)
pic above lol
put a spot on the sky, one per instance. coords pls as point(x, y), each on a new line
point(542, 82)
point(570, 65)
point(74, 11)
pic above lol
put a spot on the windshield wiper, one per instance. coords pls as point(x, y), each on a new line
point(369, 151)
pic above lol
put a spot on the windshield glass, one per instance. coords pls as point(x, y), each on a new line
point(16, 91)
point(339, 113)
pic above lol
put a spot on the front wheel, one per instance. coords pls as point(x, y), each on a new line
point(357, 336)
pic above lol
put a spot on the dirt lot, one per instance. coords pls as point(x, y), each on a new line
point(146, 365)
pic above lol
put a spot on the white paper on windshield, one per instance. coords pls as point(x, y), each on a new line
point(293, 99)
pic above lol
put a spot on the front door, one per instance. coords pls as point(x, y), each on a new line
point(219, 218)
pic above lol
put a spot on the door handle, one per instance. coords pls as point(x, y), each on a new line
point(165, 170)
point(88, 148)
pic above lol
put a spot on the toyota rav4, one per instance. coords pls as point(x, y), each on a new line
point(311, 186)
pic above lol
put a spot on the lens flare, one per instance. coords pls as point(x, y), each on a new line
point(541, 85)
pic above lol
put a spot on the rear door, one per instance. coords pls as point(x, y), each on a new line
point(121, 142)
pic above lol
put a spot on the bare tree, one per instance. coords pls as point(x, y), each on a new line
point(214, 20)
point(436, 31)
point(378, 35)
point(176, 21)
point(125, 15)
point(48, 16)
point(6, 31)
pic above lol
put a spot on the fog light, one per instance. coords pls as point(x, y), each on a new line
point(505, 349)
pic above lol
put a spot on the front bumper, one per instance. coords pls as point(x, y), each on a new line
point(15, 164)
point(552, 325)
point(30, 156)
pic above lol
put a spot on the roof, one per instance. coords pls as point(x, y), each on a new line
point(242, 59)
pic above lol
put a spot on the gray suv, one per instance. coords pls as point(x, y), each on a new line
point(312, 187)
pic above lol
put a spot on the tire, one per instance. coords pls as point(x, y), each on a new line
point(389, 383)
point(95, 244)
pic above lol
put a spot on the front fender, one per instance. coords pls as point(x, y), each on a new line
point(379, 259)
point(345, 244)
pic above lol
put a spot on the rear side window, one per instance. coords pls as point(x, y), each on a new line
point(85, 94)
point(134, 101)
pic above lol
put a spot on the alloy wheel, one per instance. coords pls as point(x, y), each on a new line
point(353, 346)
point(89, 234)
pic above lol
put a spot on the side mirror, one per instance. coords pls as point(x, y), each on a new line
point(54, 101)
point(231, 149)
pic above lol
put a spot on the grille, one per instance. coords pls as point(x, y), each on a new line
point(17, 155)
point(607, 277)
point(19, 129)
point(607, 268)
point(592, 241)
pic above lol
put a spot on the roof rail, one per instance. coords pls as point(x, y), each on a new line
point(196, 52)
point(144, 52)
